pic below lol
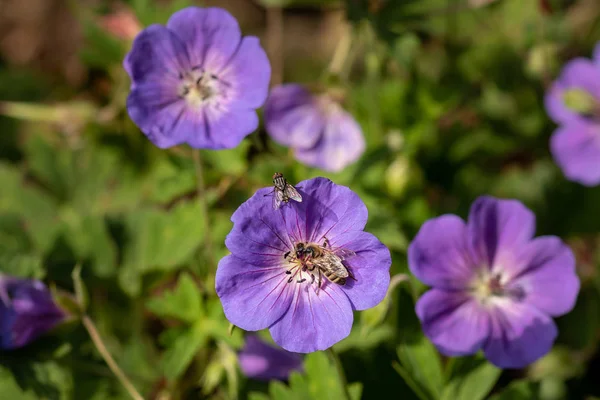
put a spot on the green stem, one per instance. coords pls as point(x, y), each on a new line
point(203, 205)
point(114, 367)
point(340, 370)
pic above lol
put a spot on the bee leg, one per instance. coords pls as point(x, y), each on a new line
point(312, 278)
point(326, 243)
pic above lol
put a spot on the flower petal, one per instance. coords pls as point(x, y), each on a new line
point(576, 149)
point(258, 360)
point(455, 322)
point(253, 297)
point(370, 268)
point(328, 210)
point(547, 276)
point(226, 128)
point(497, 228)
point(520, 334)
point(211, 35)
point(340, 144)
point(292, 118)
point(440, 254)
point(248, 74)
point(579, 73)
point(156, 55)
point(314, 322)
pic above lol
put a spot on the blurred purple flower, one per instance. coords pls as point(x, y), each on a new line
point(576, 149)
point(316, 127)
point(575, 95)
point(495, 287)
point(196, 81)
point(262, 284)
point(261, 361)
point(27, 311)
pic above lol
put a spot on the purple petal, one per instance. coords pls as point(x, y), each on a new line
point(520, 334)
point(370, 268)
point(340, 144)
point(314, 322)
point(576, 149)
point(253, 297)
point(439, 255)
point(497, 228)
point(579, 73)
point(455, 322)
point(328, 210)
point(248, 74)
point(292, 117)
point(261, 361)
point(211, 36)
point(27, 311)
point(547, 276)
point(156, 55)
point(162, 115)
point(226, 128)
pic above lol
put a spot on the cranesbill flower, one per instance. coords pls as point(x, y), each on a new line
point(321, 133)
point(27, 311)
point(575, 95)
point(495, 287)
point(575, 147)
point(261, 361)
point(270, 281)
point(196, 80)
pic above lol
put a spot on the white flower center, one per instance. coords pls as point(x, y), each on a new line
point(490, 286)
point(199, 87)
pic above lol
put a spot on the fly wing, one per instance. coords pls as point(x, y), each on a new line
point(292, 193)
point(278, 197)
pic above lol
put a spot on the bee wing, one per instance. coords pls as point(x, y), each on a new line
point(331, 263)
point(292, 193)
point(277, 199)
point(344, 253)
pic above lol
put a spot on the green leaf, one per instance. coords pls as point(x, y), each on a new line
point(421, 362)
point(183, 302)
point(182, 350)
point(517, 390)
point(471, 378)
point(322, 376)
point(28, 378)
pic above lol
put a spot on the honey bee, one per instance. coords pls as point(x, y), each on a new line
point(283, 191)
point(325, 260)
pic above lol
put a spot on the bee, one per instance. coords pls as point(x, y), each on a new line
point(283, 191)
point(325, 260)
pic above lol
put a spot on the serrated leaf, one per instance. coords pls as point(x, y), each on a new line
point(421, 361)
point(183, 302)
point(471, 378)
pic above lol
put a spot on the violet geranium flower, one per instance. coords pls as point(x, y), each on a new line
point(27, 311)
point(269, 281)
point(321, 133)
point(264, 362)
point(495, 287)
point(196, 81)
point(573, 101)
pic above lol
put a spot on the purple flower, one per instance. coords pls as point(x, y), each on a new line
point(271, 281)
point(261, 361)
point(495, 287)
point(316, 127)
point(27, 311)
point(196, 81)
point(575, 95)
point(576, 149)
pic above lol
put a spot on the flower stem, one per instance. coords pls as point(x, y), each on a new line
point(93, 332)
point(203, 205)
point(340, 370)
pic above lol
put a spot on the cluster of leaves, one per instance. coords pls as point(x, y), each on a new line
point(450, 101)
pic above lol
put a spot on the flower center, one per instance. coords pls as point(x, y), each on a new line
point(582, 102)
point(199, 87)
point(488, 286)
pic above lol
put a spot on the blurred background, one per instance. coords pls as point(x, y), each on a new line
point(449, 95)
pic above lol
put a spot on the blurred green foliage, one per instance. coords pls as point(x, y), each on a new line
point(450, 99)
